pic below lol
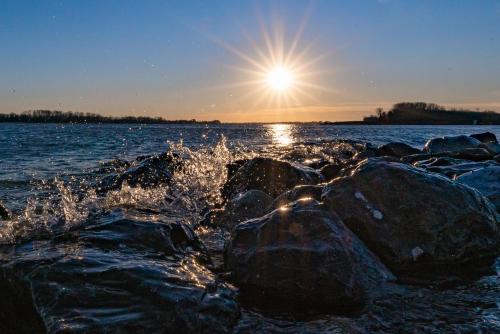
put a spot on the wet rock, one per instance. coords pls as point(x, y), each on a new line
point(418, 223)
point(303, 254)
point(369, 151)
point(248, 205)
point(451, 167)
point(486, 180)
point(472, 154)
point(118, 274)
point(397, 149)
point(304, 192)
point(145, 172)
point(270, 176)
point(330, 171)
point(450, 144)
point(485, 137)
point(492, 148)
point(316, 163)
point(4, 212)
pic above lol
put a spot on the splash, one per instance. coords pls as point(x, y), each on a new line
point(65, 205)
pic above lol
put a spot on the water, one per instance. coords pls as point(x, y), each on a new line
point(48, 174)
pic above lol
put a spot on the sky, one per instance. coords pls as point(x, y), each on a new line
point(211, 59)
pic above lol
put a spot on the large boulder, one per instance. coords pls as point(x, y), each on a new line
point(397, 149)
point(143, 172)
point(250, 204)
point(485, 137)
point(449, 144)
point(486, 180)
point(418, 223)
point(271, 176)
point(119, 273)
point(303, 254)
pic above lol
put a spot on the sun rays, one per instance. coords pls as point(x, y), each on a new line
point(277, 71)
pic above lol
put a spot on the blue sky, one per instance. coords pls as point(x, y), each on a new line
point(171, 58)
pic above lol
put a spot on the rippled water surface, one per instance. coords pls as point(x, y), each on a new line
point(48, 174)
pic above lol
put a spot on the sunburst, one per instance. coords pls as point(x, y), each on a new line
point(280, 71)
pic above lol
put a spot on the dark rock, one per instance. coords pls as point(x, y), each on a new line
point(369, 151)
point(399, 150)
point(304, 192)
point(233, 167)
point(146, 172)
point(450, 144)
point(492, 148)
point(451, 167)
point(485, 137)
point(472, 154)
point(486, 180)
point(418, 223)
point(116, 274)
point(316, 163)
point(248, 205)
point(330, 171)
point(271, 176)
point(4, 213)
point(303, 254)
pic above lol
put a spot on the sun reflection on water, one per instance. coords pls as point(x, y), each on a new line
point(281, 134)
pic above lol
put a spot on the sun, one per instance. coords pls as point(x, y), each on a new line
point(278, 71)
point(280, 78)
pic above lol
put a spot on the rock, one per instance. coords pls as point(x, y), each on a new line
point(450, 144)
point(472, 154)
point(270, 176)
point(116, 275)
point(369, 151)
point(485, 137)
point(144, 172)
point(492, 148)
point(248, 205)
point(397, 149)
point(451, 167)
point(486, 180)
point(418, 223)
point(299, 193)
point(303, 254)
point(316, 163)
point(4, 212)
point(330, 171)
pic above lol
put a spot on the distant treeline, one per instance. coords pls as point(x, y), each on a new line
point(56, 116)
point(430, 113)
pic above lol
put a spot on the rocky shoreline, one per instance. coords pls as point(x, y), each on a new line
point(374, 239)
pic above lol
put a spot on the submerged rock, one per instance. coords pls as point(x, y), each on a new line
point(4, 212)
point(397, 149)
point(245, 206)
point(486, 180)
point(303, 254)
point(485, 137)
point(418, 223)
point(451, 144)
point(144, 172)
point(270, 176)
point(117, 274)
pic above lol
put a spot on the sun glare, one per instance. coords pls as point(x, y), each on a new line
point(280, 78)
point(279, 70)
